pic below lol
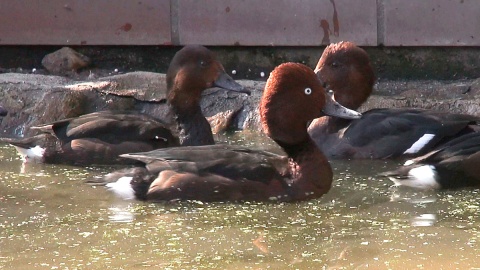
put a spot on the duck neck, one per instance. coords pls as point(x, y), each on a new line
point(334, 124)
point(192, 126)
point(327, 125)
point(310, 173)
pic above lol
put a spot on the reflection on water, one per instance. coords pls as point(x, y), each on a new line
point(50, 219)
point(424, 220)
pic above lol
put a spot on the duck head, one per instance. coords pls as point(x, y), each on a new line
point(347, 70)
point(193, 69)
point(294, 96)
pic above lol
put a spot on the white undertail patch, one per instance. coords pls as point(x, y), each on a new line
point(423, 177)
point(408, 162)
point(122, 188)
point(419, 144)
point(34, 154)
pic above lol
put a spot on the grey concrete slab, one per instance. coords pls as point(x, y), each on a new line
point(432, 23)
point(86, 22)
point(277, 22)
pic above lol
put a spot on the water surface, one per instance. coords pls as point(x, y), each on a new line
point(51, 219)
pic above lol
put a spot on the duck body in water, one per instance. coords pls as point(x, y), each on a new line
point(100, 137)
point(380, 133)
point(293, 96)
point(455, 164)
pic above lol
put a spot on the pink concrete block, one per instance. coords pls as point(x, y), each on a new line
point(432, 23)
point(86, 22)
point(277, 22)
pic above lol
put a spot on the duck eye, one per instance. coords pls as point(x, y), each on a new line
point(308, 91)
point(334, 64)
point(203, 63)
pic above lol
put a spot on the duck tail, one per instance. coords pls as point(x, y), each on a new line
point(30, 142)
point(128, 184)
point(31, 148)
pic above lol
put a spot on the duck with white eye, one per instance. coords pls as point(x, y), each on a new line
point(292, 97)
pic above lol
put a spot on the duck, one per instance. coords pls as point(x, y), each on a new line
point(453, 165)
point(292, 97)
point(100, 138)
point(380, 133)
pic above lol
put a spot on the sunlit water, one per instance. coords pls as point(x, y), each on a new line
point(51, 219)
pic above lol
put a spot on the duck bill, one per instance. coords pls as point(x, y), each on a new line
point(226, 82)
point(333, 108)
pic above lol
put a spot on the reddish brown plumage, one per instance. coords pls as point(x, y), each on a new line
point(292, 97)
point(380, 133)
point(347, 70)
point(286, 93)
point(99, 138)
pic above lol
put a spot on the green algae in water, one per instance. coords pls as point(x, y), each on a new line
point(51, 219)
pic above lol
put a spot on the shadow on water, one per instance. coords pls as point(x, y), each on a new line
point(50, 219)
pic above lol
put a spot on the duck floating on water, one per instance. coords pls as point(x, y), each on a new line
point(380, 133)
point(293, 96)
point(100, 137)
point(455, 164)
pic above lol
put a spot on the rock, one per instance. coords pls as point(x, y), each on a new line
point(40, 99)
point(3, 111)
point(245, 108)
point(221, 121)
point(144, 86)
point(64, 61)
point(32, 99)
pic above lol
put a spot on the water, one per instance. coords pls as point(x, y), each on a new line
point(50, 219)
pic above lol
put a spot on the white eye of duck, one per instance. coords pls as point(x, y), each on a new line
point(308, 91)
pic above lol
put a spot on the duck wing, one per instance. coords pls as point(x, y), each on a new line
point(394, 132)
point(456, 150)
point(112, 127)
point(232, 162)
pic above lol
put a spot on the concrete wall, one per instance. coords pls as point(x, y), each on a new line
point(240, 22)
